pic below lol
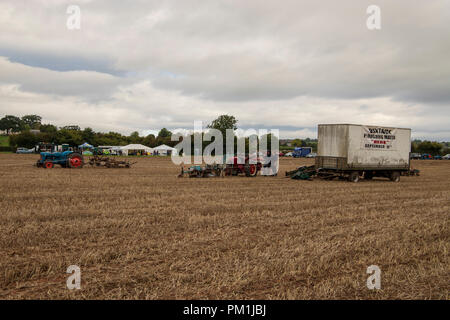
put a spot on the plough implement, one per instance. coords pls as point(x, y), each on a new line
point(108, 162)
point(302, 173)
point(234, 168)
point(197, 171)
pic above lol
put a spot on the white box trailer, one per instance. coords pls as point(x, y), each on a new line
point(363, 150)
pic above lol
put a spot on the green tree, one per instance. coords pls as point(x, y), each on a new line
point(414, 146)
point(48, 128)
point(24, 139)
point(150, 141)
point(111, 139)
point(89, 136)
point(135, 138)
point(164, 133)
point(11, 124)
point(296, 143)
point(430, 147)
point(222, 123)
point(48, 133)
point(71, 137)
point(32, 120)
point(445, 151)
point(72, 128)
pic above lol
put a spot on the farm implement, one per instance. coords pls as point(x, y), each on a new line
point(108, 162)
point(234, 168)
point(302, 173)
point(202, 172)
point(310, 172)
point(70, 159)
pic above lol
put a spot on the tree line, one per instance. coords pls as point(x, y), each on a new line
point(432, 147)
point(29, 131)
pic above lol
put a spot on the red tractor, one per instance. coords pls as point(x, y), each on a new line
point(234, 168)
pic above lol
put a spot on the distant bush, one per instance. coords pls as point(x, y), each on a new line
point(4, 141)
point(6, 149)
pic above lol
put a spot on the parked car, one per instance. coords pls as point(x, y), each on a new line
point(438, 157)
point(311, 155)
point(281, 154)
point(427, 156)
point(446, 157)
point(24, 150)
point(415, 156)
point(289, 154)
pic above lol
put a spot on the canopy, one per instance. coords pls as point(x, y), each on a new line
point(165, 150)
point(164, 147)
point(110, 147)
point(85, 146)
point(137, 147)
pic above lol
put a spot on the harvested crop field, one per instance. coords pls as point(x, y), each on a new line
point(143, 233)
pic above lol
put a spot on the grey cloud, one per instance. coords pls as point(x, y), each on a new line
point(174, 61)
point(52, 61)
point(243, 51)
point(83, 84)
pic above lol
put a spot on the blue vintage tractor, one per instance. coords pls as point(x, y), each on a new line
point(66, 159)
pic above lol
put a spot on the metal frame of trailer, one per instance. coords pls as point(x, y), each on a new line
point(338, 167)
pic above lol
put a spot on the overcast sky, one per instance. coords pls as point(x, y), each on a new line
point(288, 65)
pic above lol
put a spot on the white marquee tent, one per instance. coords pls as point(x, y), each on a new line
point(135, 148)
point(164, 150)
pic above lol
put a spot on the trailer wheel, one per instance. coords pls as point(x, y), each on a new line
point(48, 164)
point(354, 176)
point(395, 176)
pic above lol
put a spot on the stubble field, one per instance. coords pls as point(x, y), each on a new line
point(143, 233)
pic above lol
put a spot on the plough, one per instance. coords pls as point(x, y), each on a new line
point(197, 171)
point(234, 168)
point(302, 173)
point(108, 162)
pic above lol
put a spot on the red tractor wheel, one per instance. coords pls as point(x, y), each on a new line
point(75, 160)
point(48, 164)
point(251, 170)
